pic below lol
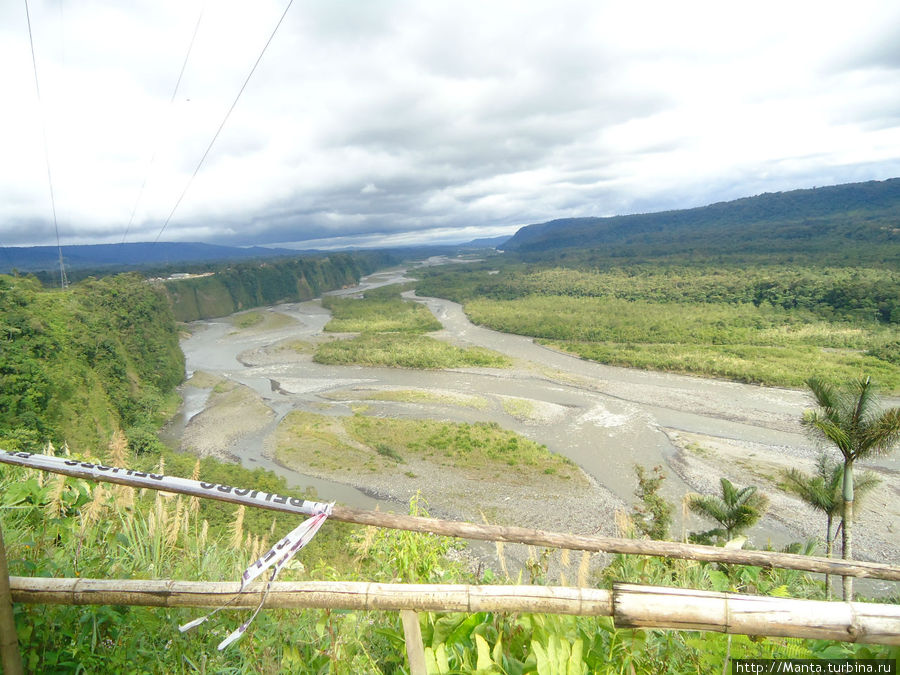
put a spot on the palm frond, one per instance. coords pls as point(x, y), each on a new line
point(883, 432)
point(811, 489)
point(829, 429)
point(864, 391)
point(825, 394)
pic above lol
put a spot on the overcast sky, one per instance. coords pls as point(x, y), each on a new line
point(386, 122)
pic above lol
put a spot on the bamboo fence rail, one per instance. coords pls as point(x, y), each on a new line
point(629, 605)
point(522, 535)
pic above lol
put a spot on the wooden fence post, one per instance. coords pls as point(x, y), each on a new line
point(9, 642)
point(415, 651)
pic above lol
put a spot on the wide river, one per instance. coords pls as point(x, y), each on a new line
point(604, 418)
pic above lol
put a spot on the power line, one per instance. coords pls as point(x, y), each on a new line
point(222, 125)
point(155, 143)
point(63, 281)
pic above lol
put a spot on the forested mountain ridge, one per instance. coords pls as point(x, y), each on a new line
point(864, 217)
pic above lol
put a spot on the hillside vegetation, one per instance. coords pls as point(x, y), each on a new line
point(856, 222)
point(232, 288)
point(77, 365)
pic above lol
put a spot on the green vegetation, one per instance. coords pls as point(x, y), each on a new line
point(391, 335)
point(402, 350)
point(759, 324)
point(653, 516)
point(77, 365)
point(851, 224)
point(736, 510)
point(823, 492)
point(469, 447)
point(236, 287)
point(68, 527)
point(54, 526)
point(520, 408)
point(381, 310)
point(850, 419)
point(247, 319)
point(306, 439)
point(429, 396)
point(378, 444)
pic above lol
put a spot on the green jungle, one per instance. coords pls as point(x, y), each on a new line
point(774, 324)
point(91, 372)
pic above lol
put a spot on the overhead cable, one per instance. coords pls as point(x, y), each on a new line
point(224, 120)
point(63, 281)
point(155, 143)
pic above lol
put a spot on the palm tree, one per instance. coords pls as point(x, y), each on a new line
point(822, 491)
point(849, 418)
point(736, 510)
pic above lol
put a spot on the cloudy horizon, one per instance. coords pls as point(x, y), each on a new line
point(416, 122)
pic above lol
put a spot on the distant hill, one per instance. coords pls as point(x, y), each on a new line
point(862, 216)
point(487, 242)
point(36, 258)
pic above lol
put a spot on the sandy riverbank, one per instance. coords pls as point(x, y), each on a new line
point(702, 460)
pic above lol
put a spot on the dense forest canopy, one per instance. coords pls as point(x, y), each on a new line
point(78, 364)
point(849, 223)
point(770, 323)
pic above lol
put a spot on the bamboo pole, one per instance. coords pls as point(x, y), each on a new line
point(352, 595)
point(579, 542)
point(9, 642)
point(637, 606)
point(522, 535)
point(630, 605)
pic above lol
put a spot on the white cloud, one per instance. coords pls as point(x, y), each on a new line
point(406, 120)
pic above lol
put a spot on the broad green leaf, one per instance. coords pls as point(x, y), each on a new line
point(576, 665)
point(719, 580)
point(497, 651)
point(443, 662)
point(484, 663)
point(432, 664)
point(540, 656)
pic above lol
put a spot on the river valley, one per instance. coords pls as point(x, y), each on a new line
point(605, 419)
